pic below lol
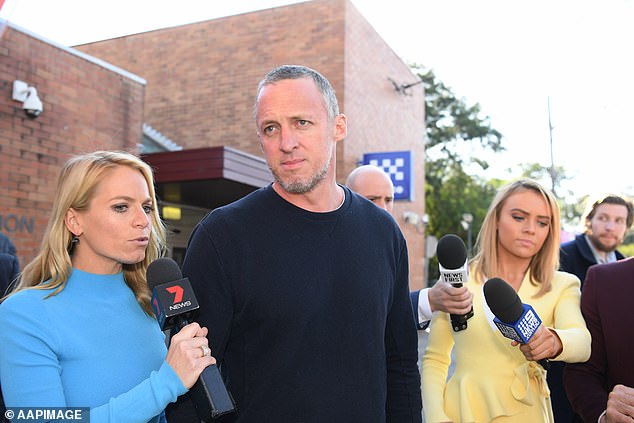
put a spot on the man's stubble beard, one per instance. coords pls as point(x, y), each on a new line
point(596, 243)
point(298, 186)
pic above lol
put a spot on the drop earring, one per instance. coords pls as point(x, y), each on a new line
point(74, 241)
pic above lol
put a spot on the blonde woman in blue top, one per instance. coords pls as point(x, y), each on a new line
point(78, 331)
point(495, 379)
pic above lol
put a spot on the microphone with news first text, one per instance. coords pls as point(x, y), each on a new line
point(516, 321)
point(454, 269)
point(175, 306)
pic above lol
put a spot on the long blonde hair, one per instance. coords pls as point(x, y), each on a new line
point(76, 187)
point(543, 264)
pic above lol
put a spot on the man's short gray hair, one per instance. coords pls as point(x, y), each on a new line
point(283, 72)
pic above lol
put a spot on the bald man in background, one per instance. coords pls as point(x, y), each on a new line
point(375, 185)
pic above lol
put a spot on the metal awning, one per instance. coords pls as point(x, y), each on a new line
point(207, 177)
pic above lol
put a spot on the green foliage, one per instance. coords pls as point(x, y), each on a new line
point(629, 237)
point(627, 250)
point(449, 191)
point(451, 194)
point(449, 121)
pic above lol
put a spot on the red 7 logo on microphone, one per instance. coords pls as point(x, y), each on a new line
point(178, 291)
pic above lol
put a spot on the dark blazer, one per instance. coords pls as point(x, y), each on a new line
point(576, 256)
point(606, 303)
point(9, 269)
point(413, 296)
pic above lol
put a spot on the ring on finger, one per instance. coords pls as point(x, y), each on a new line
point(206, 350)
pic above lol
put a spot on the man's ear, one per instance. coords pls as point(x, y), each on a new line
point(341, 127)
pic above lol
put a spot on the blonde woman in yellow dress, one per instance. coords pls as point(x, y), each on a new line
point(496, 380)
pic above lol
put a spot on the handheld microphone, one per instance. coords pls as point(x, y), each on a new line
point(515, 320)
point(454, 269)
point(175, 305)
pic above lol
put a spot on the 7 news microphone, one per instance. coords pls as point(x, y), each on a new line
point(516, 321)
point(454, 269)
point(175, 305)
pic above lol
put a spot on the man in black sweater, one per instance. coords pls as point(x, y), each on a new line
point(303, 284)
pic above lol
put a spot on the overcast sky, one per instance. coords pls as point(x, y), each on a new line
point(509, 56)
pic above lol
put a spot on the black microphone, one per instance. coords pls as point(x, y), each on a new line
point(175, 305)
point(516, 321)
point(454, 269)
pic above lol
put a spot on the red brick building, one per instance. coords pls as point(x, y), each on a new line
point(196, 85)
point(88, 105)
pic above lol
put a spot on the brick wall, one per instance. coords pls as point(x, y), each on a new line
point(380, 119)
point(202, 77)
point(86, 107)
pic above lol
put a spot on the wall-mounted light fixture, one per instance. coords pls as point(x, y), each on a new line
point(416, 220)
point(31, 103)
point(411, 218)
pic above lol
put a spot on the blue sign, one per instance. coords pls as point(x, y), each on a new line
point(397, 164)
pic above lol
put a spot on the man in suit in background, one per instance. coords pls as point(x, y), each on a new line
point(602, 389)
point(606, 219)
point(374, 184)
